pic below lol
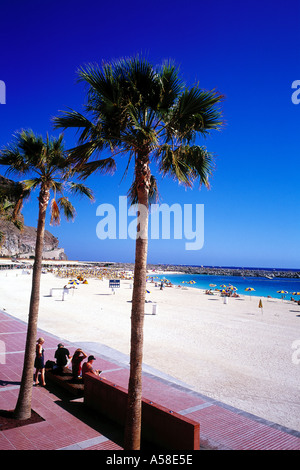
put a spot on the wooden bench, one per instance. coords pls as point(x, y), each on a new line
point(160, 425)
point(66, 380)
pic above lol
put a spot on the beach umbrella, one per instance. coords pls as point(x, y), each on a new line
point(212, 285)
point(282, 292)
point(72, 282)
point(249, 289)
point(223, 286)
point(295, 293)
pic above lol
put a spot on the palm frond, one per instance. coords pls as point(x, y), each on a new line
point(81, 153)
point(104, 166)
point(101, 82)
point(186, 164)
point(200, 163)
point(55, 213)
point(171, 86)
point(67, 208)
point(81, 190)
point(33, 149)
point(57, 186)
point(13, 160)
point(75, 120)
point(196, 112)
point(31, 184)
point(171, 165)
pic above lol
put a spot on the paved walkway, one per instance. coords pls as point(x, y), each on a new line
point(68, 425)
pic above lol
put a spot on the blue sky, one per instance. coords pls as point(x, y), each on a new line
point(248, 51)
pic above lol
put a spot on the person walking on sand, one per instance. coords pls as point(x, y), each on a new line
point(39, 362)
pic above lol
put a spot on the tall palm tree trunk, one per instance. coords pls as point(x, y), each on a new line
point(134, 406)
point(23, 407)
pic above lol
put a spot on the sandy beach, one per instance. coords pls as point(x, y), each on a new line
point(234, 352)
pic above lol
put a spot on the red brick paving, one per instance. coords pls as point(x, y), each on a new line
point(221, 427)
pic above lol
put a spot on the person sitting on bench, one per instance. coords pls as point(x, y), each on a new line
point(88, 367)
point(62, 355)
point(77, 358)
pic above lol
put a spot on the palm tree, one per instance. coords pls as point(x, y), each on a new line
point(48, 162)
point(149, 114)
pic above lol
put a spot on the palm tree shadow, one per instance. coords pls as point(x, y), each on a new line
point(100, 423)
point(296, 311)
point(3, 383)
point(106, 427)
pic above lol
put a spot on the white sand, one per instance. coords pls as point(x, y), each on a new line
point(236, 353)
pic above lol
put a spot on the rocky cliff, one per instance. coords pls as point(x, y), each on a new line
point(22, 242)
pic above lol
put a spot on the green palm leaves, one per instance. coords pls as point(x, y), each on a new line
point(29, 154)
point(137, 109)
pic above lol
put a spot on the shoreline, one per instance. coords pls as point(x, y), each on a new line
point(126, 271)
point(270, 273)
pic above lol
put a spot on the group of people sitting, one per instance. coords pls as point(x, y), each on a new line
point(63, 358)
point(228, 293)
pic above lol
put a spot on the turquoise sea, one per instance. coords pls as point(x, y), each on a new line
point(262, 286)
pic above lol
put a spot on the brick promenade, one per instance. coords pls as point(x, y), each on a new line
point(68, 425)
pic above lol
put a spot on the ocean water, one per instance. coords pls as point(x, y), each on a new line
point(262, 286)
